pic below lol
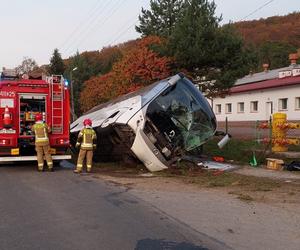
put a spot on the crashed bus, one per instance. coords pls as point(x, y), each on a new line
point(156, 125)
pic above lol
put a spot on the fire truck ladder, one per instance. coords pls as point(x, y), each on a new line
point(57, 101)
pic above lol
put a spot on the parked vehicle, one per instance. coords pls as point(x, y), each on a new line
point(20, 100)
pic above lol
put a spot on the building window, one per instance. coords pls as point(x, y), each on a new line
point(254, 106)
point(283, 104)
point(218, 109)
point(228, 108)
point(241, 107)
point(297, 104)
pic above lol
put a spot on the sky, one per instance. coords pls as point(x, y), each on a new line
point(33, 28)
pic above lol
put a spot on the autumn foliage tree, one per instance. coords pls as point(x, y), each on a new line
point(283, 29)
point(139, 66)
point(96, 90)
point(272, 38)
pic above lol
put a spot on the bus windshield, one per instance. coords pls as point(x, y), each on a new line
point(183, 115)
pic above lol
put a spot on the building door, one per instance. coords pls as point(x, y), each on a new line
point(269, 110)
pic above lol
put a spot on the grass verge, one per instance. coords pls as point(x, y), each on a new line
point(239, 151)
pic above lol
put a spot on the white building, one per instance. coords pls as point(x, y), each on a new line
point(258, 96)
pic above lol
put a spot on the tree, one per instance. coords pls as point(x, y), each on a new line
point(194, 40)
point(92, 64)
point(161, 19)
point(57, 66)
point(276, 29)
point(230, 60)
point(108, 56)
point(27, 65)
point(78, 77)
point(214, 56)
point(96, 90)
point(140, 66)
point(276, 54)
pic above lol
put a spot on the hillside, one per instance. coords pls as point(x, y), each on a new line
point(275, 29)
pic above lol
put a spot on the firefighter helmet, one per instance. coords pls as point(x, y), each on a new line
point(38, 117)
point(87, 122)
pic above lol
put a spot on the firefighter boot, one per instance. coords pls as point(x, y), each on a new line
point(50, 166)
point(77, 171)
point(40, 169)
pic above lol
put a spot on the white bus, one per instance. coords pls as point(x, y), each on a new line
point(156, 125)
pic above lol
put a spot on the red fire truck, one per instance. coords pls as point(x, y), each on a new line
point(20, 100)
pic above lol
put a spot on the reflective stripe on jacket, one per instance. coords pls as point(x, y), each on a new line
point(41, 131)
point(87, 139)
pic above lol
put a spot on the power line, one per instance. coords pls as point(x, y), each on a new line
point(89, 24)
point(259, 8)
point(88, 15)
point(122, 30)
point(111, 13)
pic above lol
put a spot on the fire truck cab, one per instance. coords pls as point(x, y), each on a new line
point(20, 100)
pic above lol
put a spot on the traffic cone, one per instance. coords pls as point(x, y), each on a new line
point(7, 121)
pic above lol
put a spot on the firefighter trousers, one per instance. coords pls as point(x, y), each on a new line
point(88, 154)
point(41, 151)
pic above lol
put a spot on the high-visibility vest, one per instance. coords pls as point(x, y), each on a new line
point(41, 134)
point(87, 139)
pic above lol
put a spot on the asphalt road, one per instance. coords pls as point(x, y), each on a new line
point(62, 210)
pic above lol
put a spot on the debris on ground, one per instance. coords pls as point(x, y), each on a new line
point(274, 164)
point(147, 175)
point(218, 165)
point(218, 158)
point(293, 166)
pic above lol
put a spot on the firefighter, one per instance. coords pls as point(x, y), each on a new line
point(86, 141)
point(42, 146)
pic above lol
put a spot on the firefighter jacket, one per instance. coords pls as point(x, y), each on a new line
point(87, 139)
point(41, 131)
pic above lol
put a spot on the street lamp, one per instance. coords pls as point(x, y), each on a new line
point(72, 94)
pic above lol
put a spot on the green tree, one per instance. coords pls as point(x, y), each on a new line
point(57, 66)
point(193, 40)
point(230, 59)
point(214, 56)
point(161, 19)
point(276, 54)
point(78, 71)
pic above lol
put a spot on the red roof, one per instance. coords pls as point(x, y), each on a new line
point(273, 83)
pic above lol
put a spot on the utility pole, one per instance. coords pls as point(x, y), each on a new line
point(72, 95)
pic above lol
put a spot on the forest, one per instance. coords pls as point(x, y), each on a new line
point(281, 29)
